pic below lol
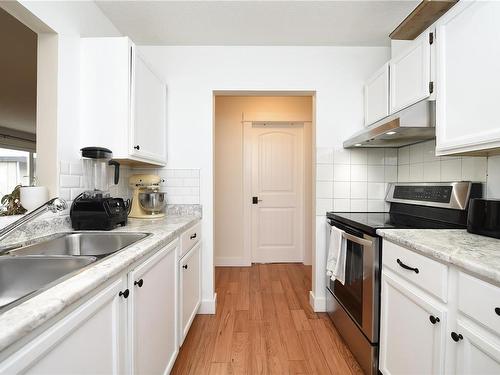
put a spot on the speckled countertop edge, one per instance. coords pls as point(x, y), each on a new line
point(477, 255)
point(20, 320)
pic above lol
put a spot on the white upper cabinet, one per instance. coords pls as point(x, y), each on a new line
point(122, 101)
point(377, 96)
point(468, 78)
point(410, 74)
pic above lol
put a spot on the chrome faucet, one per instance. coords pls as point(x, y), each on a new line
point(54, 205)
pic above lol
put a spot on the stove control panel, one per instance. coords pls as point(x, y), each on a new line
point(438, 194)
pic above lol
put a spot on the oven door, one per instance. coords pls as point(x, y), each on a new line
point(360, 295)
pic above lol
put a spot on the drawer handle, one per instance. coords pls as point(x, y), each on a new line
point(497, 310)
point(408, 267)
point(456, 336)
point(185, 266)
point(192, 237)
point(124, 294)
point(139, 283)
point(434, 319)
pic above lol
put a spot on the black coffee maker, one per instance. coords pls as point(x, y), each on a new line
point(95, 209)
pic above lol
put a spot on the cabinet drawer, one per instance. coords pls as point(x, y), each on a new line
point(189, 238)
point(480, 301)
point(424, 272)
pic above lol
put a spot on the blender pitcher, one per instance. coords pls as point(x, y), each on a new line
point(95, 161)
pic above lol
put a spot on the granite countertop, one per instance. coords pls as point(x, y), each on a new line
point(478, 255)
point(22, 319)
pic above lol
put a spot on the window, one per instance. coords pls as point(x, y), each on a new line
point(16, 167)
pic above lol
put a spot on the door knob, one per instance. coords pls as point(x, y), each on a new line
point(124, 294)
point(256, 200)
point(139, 283)
point(185, 266)
point(456, 336)
point(137, 147)
point(434, 319)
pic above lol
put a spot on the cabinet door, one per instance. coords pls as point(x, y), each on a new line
point(476, 352)
point(468, 78)
point(149, 125)
point(152, 311)
point(377, 96)
point(190, 288)
point(411, 74)
point(410, 343)
point(90, 340)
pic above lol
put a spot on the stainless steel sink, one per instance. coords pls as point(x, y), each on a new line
point(23, 275)
point(97, 244)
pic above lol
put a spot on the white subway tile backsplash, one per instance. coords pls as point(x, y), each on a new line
point(64, 167)
point(75, 168)
point(324, 189)
point(324, 172)
point(324, 156)
point(376, 190)
point(359, 156)
point(68, 181)
point(429, 151)
point(416, 154)
point(65, 194)
point(451, 170)
point(194, 182)
point(359, 205)
point(376, 156)
point(376, 173)
point(323, 205)
point(342, 205)
point(342, 156)
point(403, 155)
point(391, 156)
point(359, 190)
point(474, 169)
point(342, 189)
point(359, 173)
point(341, 172)
point(404, 173)
point(376, 205)
point(432, 171)
point(416, 172)
point(391, 173)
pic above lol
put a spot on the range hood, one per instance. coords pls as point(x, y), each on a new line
point(411, 125)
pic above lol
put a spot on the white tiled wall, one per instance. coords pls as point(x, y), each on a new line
point(419, 163)
point(353, 180)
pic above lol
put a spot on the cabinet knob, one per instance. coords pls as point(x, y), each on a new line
point(497, 310)
point(456, 336)
point(124, 294)
point(434, 319)
point(192, 237)
point(139, 283)
point(185, 266)
point(137, 147)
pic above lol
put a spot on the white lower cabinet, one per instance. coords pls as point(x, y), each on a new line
point(465, 340)
point(152, 313)
point(190, 288)
point(413, 330)
point(90, 340)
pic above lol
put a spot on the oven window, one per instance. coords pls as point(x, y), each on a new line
point(351, 294)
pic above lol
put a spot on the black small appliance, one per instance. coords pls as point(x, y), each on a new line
point(484, 217)
point(95, 209)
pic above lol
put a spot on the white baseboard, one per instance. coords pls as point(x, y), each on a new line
point(231, 262)
point(208, 306)
point(318, 304)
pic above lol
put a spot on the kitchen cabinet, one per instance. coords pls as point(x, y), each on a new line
point(410, 74)
point(376, 92)
point(413, 329)
point(468, 78)
point(190, 288)
point(122, 102)
point(89, 340)
point(465, 339)
point(152, 313)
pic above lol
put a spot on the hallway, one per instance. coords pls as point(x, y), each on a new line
point(264, 325)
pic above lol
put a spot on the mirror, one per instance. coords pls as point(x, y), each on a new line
point(18, 95)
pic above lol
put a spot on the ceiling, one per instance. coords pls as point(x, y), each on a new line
point(304, 23)
point(17, 74)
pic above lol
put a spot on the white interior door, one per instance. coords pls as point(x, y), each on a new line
point(274, 164)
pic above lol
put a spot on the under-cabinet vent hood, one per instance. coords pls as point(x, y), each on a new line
point(408, 126)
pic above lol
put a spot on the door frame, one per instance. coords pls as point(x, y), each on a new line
point(247, 188)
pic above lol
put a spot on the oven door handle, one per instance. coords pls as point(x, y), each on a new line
point(360, 241)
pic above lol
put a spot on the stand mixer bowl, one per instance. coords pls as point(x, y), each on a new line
point(152, 201)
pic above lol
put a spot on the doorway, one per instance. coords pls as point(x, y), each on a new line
point(263, 200)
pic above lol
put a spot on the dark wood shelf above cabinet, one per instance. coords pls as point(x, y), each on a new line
point(424, 15)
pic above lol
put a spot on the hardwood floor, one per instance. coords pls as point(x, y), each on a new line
point(264, 325)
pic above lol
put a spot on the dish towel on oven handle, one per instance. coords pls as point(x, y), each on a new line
point(336, 261)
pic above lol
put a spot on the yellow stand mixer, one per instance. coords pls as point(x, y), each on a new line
point(148, 201)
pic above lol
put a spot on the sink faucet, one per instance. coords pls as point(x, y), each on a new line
point(54, 205)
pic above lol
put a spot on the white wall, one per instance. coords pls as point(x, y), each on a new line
point(336, 74)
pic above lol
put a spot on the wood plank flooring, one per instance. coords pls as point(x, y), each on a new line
point(264, 325)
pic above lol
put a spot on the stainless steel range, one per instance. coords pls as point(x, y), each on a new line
point(354, 306)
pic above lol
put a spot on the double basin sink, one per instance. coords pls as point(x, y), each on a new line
point(28, 269)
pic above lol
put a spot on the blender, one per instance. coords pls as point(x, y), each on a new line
point(95, 209)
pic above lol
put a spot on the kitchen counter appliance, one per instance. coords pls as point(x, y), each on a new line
point(148, 201)
point(95, 209)
point(484, 217)
point(355, 306)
